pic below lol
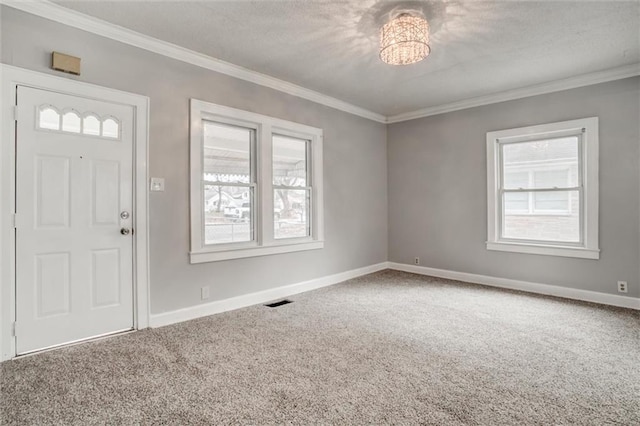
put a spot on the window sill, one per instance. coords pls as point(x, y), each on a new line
point(547, 250)
point(240, 253)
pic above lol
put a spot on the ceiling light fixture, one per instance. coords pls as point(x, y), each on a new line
point(404, 40)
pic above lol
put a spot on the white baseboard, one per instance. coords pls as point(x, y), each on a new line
point(551, 290)
point(218, 306)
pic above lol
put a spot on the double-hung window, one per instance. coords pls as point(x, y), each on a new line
point(256, 184)
point(543, 189)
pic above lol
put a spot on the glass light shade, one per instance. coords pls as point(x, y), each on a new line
point(404, 40)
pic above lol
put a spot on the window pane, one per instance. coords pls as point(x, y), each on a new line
point(545, 223)
point(516, 202)
point(71, 122)
point(227, 153)
point(556, 201)
point(559, 178)
point(91, 125)
point(516, 180)
point(110, 128)
point(291, 213)
point(550, 162)
point(228, 214)
point(289, 161)
point(49, 119)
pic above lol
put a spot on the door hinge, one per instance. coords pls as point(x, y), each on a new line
point(15, 220)
point(13, 329)
point(15, 112)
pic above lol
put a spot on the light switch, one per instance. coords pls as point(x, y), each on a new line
point(157, 184)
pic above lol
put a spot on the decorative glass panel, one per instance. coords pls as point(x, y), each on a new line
point(91, 125)
point(227, 153)
point(49, 118)
point(71, 122)
point(111, 128)
point(291, 213)
point(289, 161)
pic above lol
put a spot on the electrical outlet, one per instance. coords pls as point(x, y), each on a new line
point(622, 286)
point(204, 292)
point(416, 261)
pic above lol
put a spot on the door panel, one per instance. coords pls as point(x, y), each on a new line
point(74, 178)
point(52, 192)
point(52, 284)
point(105, 278)
point(105, 192)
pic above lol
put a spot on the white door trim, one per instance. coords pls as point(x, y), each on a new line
point(12, 76)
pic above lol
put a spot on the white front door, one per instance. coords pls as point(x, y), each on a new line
point(74, 199)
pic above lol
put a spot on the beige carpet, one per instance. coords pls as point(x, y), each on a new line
point(388, 348)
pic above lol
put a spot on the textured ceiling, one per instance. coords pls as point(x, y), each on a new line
point(477, 47)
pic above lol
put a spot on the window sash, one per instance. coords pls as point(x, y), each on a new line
point(501, 165)
point(251, 224)
point(252, 185)
point(309, 188)
point(308, 157)
point(501, 190)
point(532, 213)
point(308, 214)
point(252, 145)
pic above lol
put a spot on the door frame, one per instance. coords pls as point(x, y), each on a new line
point(12, 76)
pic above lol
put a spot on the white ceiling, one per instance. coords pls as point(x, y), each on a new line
point(477, 47)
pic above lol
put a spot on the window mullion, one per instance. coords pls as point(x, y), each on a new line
point(561, 189)
point(308, 188)
point(265, 208)
point(582, 163)
point(239, 185)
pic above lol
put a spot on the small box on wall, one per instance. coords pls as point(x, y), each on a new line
point(65, 63)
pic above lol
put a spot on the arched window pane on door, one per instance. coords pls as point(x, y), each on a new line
point(49, 118)
point(91, 125)
point(71, 122)
point(111, 128)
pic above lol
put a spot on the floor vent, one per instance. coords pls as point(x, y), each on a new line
point(280, 303)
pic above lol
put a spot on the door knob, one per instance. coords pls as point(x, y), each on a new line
point(125, 231)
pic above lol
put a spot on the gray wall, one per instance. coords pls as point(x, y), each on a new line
point(355, 163)
point(438, 188)
point(436, 181)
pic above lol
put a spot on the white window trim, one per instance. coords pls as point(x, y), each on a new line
point(264, 243)
point(589, 246)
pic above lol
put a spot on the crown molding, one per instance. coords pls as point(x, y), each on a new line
point(524, 92)
point(57, 13)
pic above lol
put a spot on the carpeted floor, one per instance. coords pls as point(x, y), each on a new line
point(388, 348)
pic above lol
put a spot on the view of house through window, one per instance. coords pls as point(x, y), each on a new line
point(541, 189)
point(228, 183)
point(256, 184)
point(291, 193)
